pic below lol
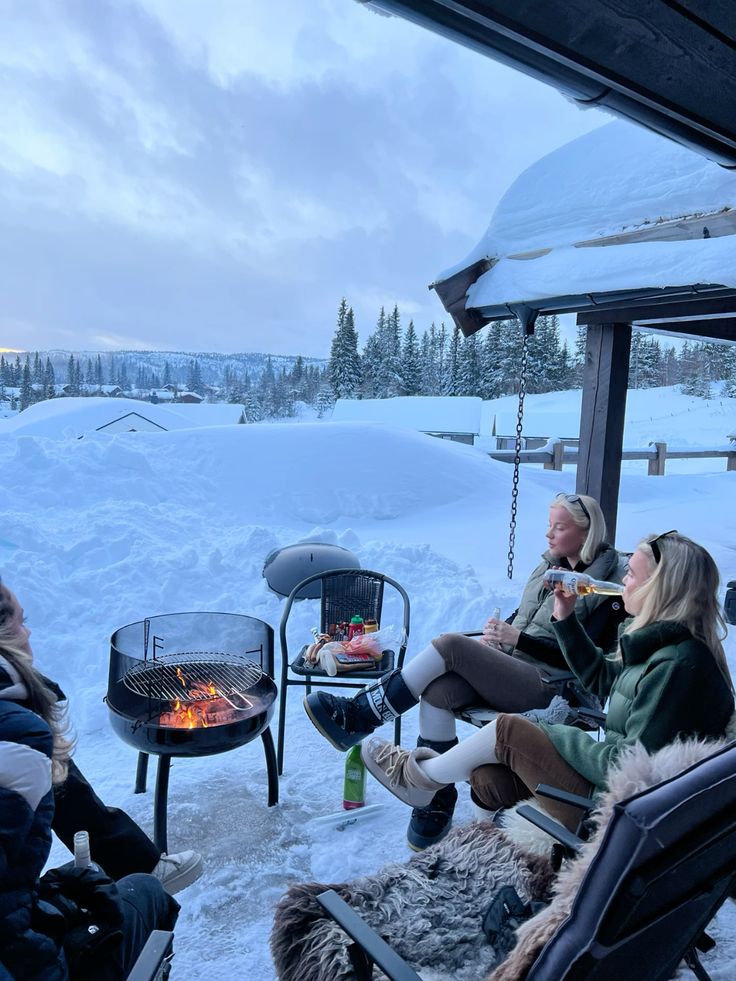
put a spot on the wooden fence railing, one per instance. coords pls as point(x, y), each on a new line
point(555, 453)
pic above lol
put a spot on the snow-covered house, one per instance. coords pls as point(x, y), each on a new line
point(458, 418)
point(623, 228)
point(75, 417)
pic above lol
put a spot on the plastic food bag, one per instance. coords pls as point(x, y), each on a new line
point(363, 651)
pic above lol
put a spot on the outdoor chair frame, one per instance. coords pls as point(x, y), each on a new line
point(665, 865)
point(343, 594)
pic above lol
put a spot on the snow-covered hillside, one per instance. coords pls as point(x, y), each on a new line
point(104, 530)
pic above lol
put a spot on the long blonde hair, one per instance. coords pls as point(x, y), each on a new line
point(683, 586)
point(40, 698)
point(576, 506)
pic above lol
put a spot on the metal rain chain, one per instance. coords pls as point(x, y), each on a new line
point(528, 327)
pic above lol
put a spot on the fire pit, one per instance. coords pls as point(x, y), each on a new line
point(191, 684)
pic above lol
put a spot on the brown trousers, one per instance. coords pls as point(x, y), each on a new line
point(527, 758)
point(479, 673)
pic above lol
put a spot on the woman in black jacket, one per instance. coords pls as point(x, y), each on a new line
point(72, 923)
point(116, 841)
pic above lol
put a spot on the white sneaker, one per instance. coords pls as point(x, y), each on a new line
point(176, 872)
point(397, 770)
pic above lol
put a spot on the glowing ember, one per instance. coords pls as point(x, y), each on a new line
point(201, 706)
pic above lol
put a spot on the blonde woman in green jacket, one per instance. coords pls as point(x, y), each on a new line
point(668, 679)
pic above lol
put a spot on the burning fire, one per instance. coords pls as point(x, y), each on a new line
point(201, 706)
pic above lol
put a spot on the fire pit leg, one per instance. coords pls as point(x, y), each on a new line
point(271, 766)
point(141, 774)
point(160, 803)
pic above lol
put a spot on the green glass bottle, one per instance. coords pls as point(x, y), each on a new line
point(353, 793)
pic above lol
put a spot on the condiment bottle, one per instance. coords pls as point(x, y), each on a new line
point(582, 584)
point(370, 626)
point(356, 626)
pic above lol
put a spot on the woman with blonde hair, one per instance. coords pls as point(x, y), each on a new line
point(117, 843)
point(455, 671)
point(668, 680)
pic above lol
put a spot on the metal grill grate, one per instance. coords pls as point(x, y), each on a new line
point(193, 676)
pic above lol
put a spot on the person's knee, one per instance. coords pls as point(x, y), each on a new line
point(441, 694)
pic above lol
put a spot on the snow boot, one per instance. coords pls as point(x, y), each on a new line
point(347, 721)
point(430, 824)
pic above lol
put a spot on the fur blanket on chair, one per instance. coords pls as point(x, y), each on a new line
point(635, 770)
point(430, 909)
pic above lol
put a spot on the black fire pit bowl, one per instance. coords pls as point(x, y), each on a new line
point(191, 684)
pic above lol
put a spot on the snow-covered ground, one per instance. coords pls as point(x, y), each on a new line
point(104, 530)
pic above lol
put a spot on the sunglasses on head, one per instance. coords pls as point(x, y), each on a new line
point(656, 551)
point(576, 499)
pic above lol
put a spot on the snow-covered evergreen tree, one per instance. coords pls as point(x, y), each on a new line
point(344, 365)
point(26, 390)
point(451, 376)
point(411, 367)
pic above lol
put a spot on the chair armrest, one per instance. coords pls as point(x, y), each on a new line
point(153, 959)
point(376, 949)
point(591, 715)
point(571, 842)
point(564, 797)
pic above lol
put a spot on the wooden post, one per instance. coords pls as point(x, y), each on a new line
point(731, 458)
point(558, 452)
point(605, 382)
point(656, 463)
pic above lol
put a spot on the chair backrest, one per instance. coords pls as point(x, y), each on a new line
point(349, 594)
point(665, 865)
point(345, 593)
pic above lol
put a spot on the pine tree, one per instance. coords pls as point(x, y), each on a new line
point(411, 368)
point(581, 341)
point(344, 364)
point(98, 373)
point(194, 377)
point(26, 390)
point(729, 371)
point(49, 381)
point(451, 379)
point(37, 375)
point(469, 367)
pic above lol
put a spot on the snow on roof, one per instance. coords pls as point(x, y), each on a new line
point(618, 180)
point(427, 414)
point(73, 417)
point(644, 265)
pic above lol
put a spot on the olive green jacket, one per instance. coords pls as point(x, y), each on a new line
point(665, 685)
point(599, 613)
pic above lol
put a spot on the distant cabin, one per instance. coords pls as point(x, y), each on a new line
point(457, 418)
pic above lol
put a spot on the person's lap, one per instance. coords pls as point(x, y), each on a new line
point(478, 673)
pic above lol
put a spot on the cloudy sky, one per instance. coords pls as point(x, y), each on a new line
point(216, 174)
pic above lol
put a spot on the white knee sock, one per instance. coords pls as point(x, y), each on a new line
point(460, 761)
point(423, 668)
point(435, 723)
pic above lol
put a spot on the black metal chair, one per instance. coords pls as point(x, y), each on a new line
point(665, 865)
point(154, 961)
point(343, 594)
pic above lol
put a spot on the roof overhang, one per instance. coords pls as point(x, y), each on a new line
point(668, 66)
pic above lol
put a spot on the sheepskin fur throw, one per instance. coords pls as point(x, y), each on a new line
point(429, 909)
point(635, 770)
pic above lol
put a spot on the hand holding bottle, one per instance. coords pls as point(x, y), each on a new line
point(497, 631)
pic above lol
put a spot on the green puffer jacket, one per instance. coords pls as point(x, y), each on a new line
point(666, 685)
point(533, 618)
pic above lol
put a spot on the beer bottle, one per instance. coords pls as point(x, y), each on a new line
point(582, 584)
